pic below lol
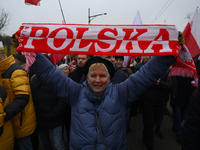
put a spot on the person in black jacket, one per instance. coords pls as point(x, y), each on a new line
point(180, 98)
point(152, 105)
point(78, 72)
point(191, 127)
point(50, 111)
point(120, 75)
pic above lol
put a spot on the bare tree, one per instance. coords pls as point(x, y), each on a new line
point(4, 19)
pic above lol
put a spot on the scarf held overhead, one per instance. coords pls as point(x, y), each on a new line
point(124, 40)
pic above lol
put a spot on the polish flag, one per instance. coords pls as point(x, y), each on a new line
point(56, 57)
point(191, 34)
point(33, 2)
point(137, 21)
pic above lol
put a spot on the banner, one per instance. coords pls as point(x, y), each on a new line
point(124, 40)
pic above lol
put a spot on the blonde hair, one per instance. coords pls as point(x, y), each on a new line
point(98, 65)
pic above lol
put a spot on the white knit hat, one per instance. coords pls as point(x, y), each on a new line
point(62, 66)
point(2, 50)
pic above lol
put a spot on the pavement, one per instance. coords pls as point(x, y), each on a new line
point(134, 138)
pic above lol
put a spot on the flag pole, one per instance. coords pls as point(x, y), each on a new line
point(64, 23)
point(62, 12)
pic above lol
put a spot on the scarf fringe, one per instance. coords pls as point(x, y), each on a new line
point(184, 72)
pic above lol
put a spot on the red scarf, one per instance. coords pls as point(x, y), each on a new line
point(122, 40)
point(184, 66)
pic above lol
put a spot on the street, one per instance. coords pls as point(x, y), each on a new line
point(134, 138)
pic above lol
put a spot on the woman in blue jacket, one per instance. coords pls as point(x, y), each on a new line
point(98, 119)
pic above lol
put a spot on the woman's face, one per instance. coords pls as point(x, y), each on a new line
point(98, 79)
point(66, 70)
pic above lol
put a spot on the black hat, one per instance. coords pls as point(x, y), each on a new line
point(98, 59)
point(119, 57)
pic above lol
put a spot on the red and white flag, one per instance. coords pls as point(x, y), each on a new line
point(33, 2)
point(56, 57)
point(184, 65)
point(191, 34)
point(137, 21)
point(72, 65)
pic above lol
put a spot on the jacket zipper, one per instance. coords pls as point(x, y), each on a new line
point(96, 122)
point(21, 119)
point(96, 140)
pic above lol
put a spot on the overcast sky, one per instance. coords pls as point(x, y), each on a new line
point(173, 12)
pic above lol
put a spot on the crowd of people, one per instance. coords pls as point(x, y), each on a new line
point(93, 102)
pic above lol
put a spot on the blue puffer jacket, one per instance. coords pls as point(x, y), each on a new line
point(110, 108)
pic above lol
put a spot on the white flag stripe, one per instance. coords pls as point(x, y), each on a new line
point(195, 26)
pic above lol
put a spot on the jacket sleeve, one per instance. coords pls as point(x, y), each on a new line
point(21, 91)
point(1, 116)
point(59, 109)
point(174, 91)
point(138, 83)
point(64, 87)
point(16, 106)
point(165, 86)
point(3, 96)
